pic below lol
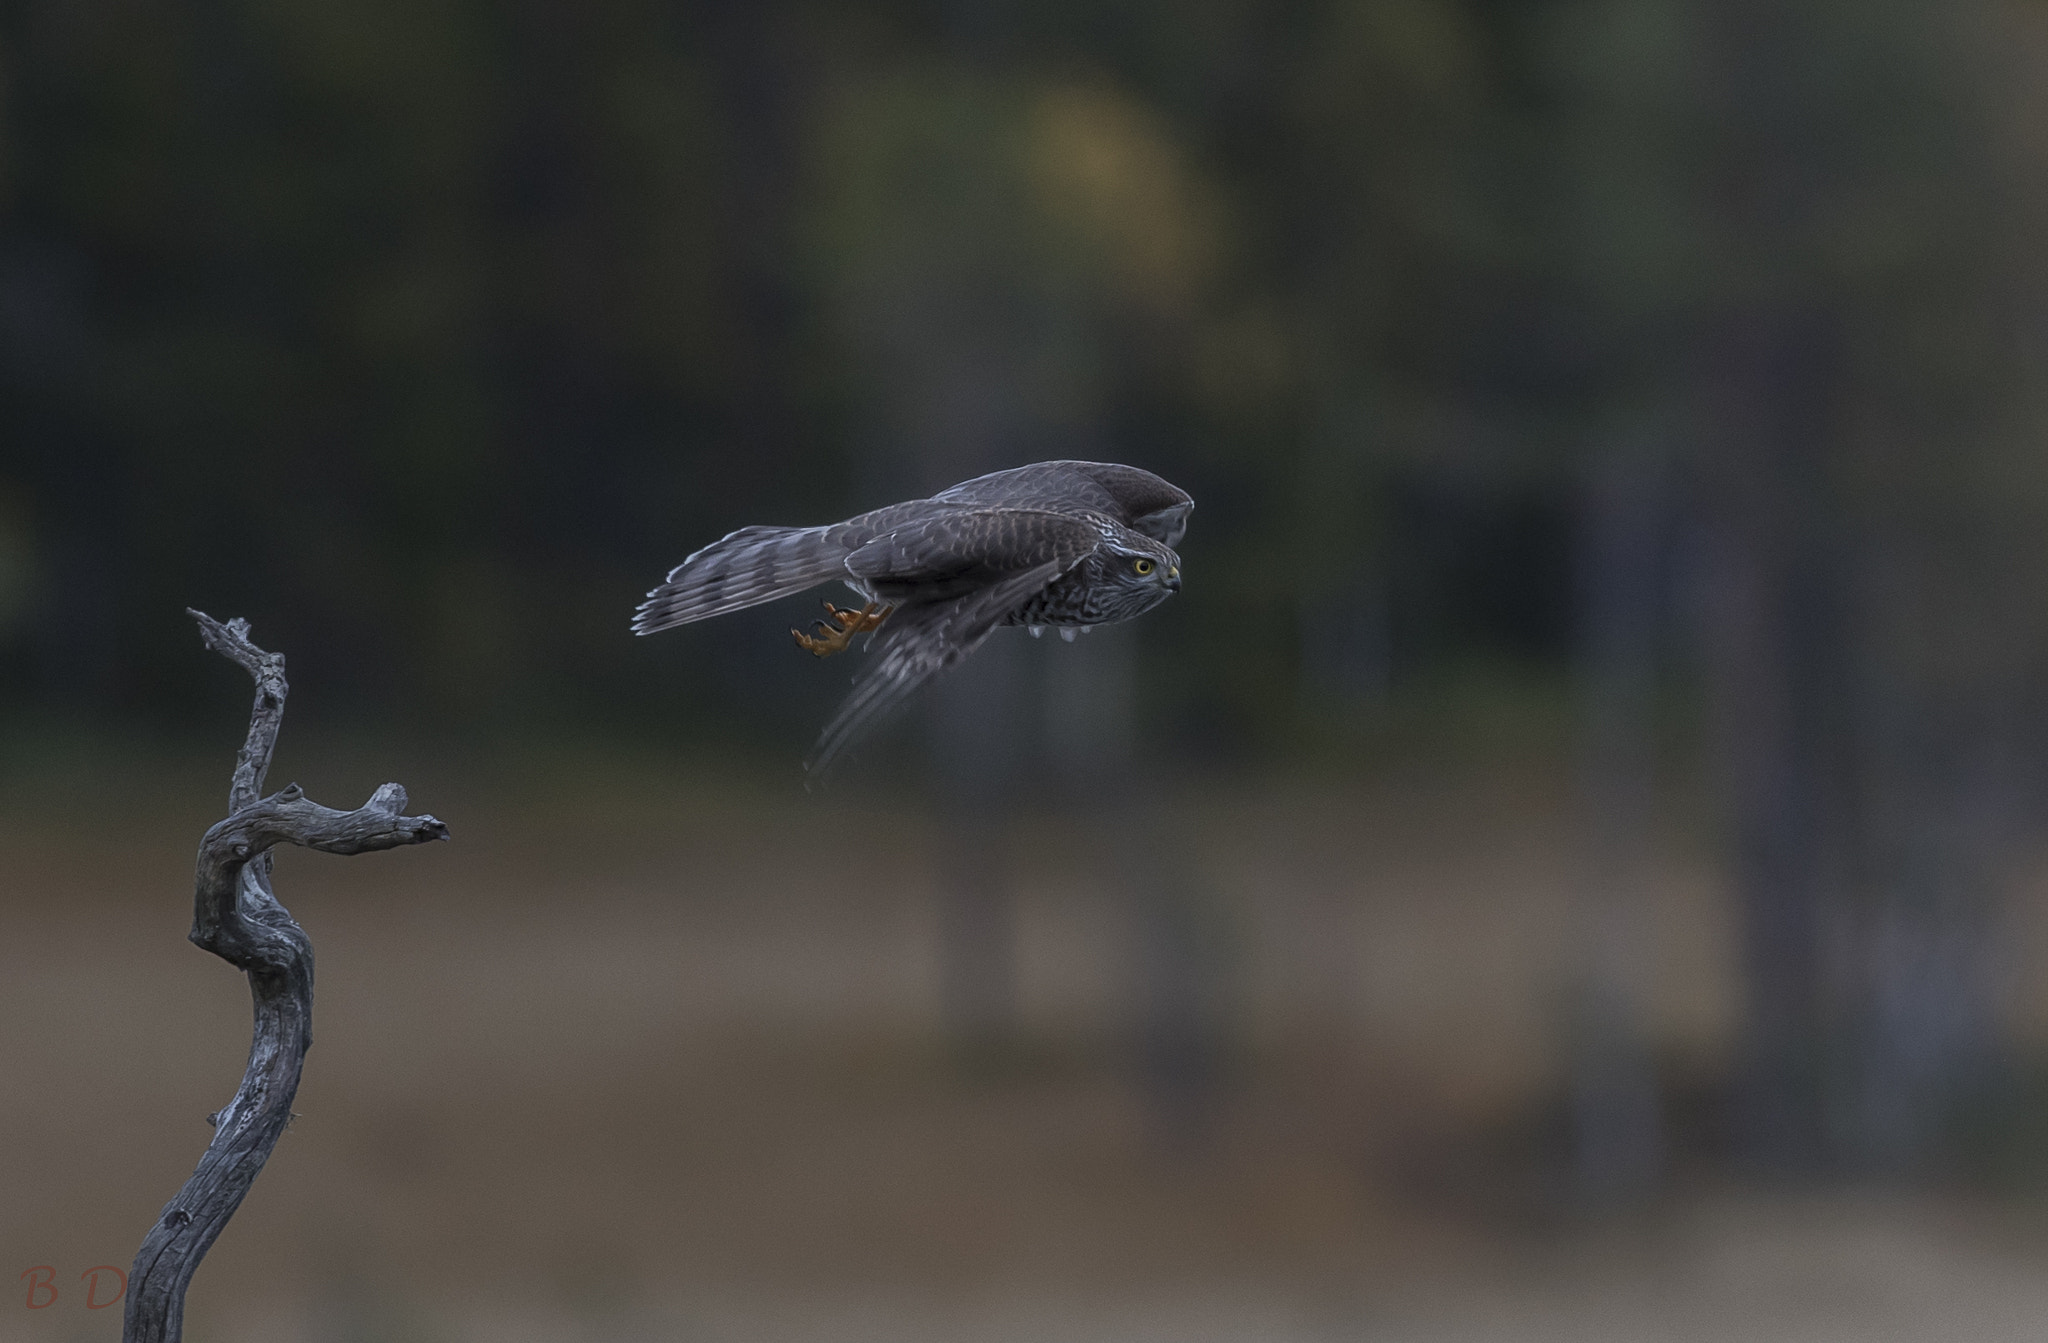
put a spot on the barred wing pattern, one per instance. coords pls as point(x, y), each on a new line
point(1138, 499)
point(952, 579)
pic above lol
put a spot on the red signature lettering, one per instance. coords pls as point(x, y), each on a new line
point(43, 1293)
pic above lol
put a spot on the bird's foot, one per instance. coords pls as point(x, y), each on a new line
point(836, 631)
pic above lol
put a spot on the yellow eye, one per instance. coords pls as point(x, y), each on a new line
point(1142, 567)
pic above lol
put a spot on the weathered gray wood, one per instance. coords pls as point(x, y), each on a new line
point(236, 917)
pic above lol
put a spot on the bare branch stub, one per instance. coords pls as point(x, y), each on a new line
point(237, 917)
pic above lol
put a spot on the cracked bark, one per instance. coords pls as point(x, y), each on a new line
point(237, 917)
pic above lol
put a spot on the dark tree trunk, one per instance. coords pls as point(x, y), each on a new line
point(1777, 638)
point(1617, 1138)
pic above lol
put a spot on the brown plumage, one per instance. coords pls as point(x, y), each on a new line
point(1065, 544)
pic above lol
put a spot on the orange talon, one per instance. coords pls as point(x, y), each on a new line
point(836, 631)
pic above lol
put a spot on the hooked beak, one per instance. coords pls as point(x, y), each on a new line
point(1172, 579)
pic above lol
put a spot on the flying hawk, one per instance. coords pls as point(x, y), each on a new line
point(1068, 545)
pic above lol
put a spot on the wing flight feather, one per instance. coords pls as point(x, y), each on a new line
point(954, 578)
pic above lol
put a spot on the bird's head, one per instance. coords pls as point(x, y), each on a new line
point(1139, 571)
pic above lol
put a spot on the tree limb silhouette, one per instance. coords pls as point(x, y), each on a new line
point(237, 917)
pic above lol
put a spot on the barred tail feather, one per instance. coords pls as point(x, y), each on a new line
point(751, 566)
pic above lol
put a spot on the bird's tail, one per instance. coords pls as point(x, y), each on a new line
point(751, 566)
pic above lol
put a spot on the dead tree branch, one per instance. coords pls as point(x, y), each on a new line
point(236, 917)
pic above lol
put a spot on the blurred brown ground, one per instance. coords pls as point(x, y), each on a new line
point(656, 1054)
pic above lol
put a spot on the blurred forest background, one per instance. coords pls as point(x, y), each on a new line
point(1620, 560)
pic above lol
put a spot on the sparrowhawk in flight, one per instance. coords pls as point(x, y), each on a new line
point(1068, 545)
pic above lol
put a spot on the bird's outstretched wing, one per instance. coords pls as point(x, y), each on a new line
point(952, 579)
